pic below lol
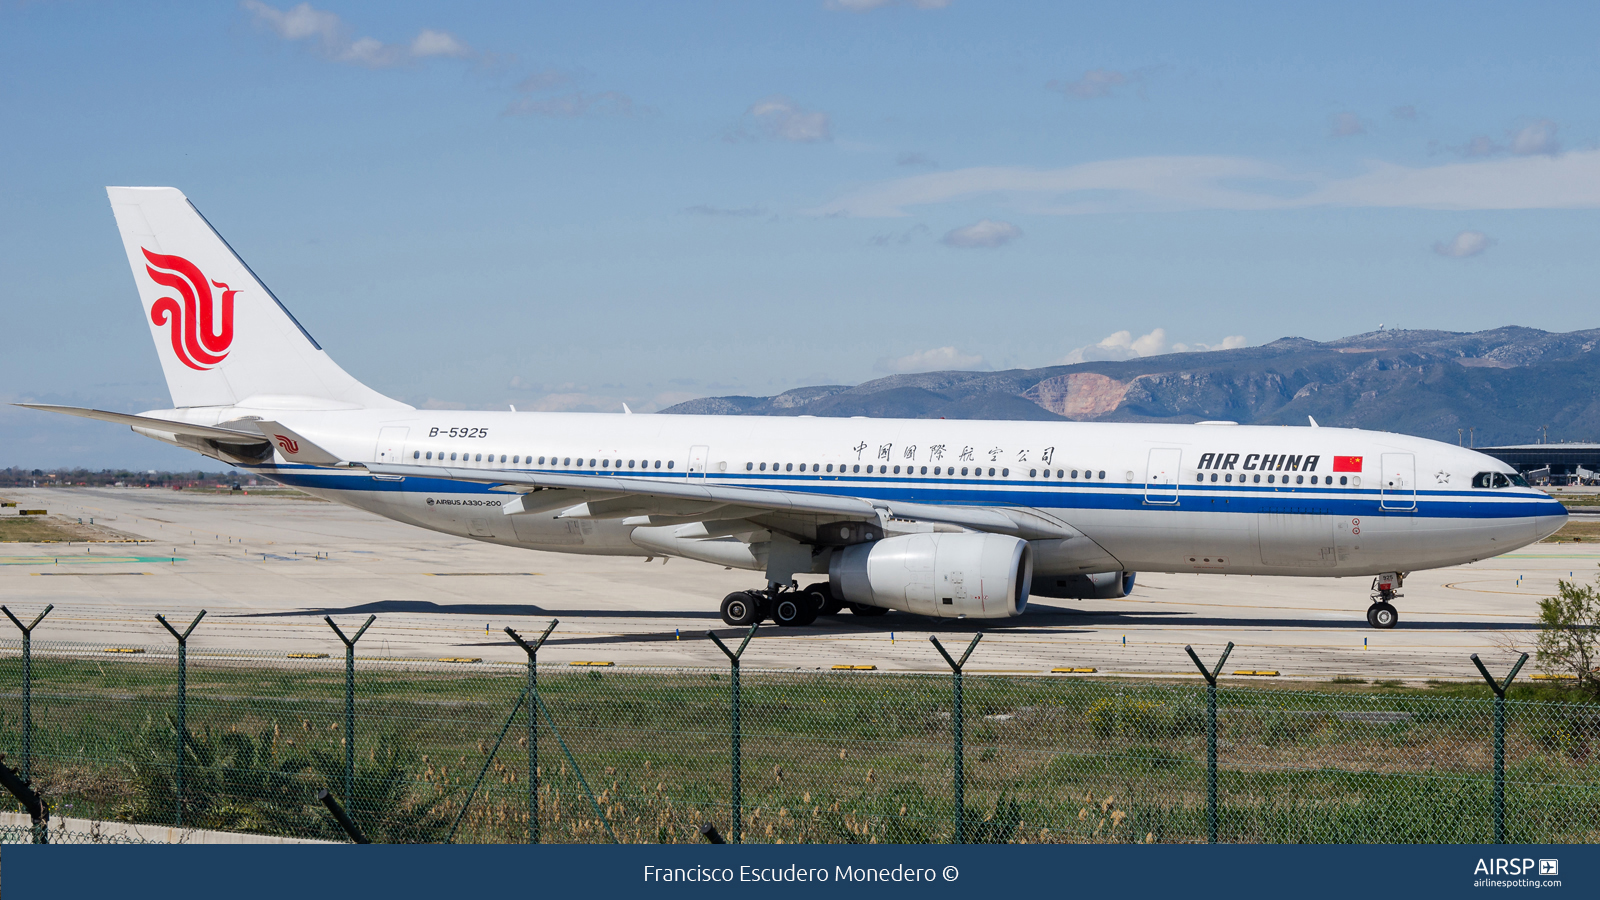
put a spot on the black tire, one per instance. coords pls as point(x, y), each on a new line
point(827, 604)
point(870, 612)
point(794, 609)
point(740, 609)
point(1383, 615)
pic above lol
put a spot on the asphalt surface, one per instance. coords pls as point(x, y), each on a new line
point(268, 569)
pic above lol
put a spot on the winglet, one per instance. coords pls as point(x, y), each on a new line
point(626, 410)
point(1313, 422)
point(295, 448)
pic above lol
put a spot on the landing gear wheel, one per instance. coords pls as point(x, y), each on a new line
point(794, 608)
point(827, 604)
point(741, 608)
point(1382, 615)
point(867, 611)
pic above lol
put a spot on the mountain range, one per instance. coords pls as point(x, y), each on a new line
point(1497, 387)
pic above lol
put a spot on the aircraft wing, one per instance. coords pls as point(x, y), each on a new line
point(606, 496)
point(151, 423)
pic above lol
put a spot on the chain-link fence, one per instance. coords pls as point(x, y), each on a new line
point(439, 750)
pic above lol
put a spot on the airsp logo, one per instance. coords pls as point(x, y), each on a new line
point(430, 501)
point(1516, 867)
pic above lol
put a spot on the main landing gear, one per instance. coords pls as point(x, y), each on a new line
point(786, 606)
point(789, 605)
point(1385, 588)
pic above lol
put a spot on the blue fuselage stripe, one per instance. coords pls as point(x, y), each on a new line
point(1291, 499)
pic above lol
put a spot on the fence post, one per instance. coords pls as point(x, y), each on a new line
point(958, 728)
point(533, 723)
point(736, 829)
point(27, 685)
point(183, 705)
point(37, 808)
point(1499, 689)
point(350, 707)
point(1211, 735)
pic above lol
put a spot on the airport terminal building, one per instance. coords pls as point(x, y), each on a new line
point(1561, 460)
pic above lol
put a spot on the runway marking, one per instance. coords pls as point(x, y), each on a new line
point(1457, 586)
point(86, 558)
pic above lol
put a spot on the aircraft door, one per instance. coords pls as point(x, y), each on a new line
point(391, 445)
point(1399, 481)
point(697, 460)
point(1161, 476)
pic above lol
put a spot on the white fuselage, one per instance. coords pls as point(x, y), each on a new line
point(1168, 498)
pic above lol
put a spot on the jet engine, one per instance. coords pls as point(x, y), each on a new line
point(980, 576)
point(1096, 586)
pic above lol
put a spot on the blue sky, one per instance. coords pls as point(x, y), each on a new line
point(575, 206)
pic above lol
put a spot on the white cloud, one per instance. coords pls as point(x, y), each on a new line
point(1464, 244)
point(1123, 345)
point(1538, 138)
point(938, 359)
point(1094, 83)
point(782, 119)
point(332, 37)
point(1347, 124)
point(861, 6)
point(1163, 183)
point(439, 43)
point(986, 233)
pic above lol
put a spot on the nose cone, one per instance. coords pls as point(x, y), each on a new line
point(1549, 518)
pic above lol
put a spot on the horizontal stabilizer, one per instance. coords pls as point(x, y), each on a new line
point(151, 423)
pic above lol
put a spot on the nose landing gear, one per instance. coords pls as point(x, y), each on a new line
point(1382, 614)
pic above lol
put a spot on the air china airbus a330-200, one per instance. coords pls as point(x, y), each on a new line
point(925, 516)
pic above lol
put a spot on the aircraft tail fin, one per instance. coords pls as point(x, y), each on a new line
point(223, 338)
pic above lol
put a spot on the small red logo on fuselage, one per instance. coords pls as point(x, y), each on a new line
point(287, 445)
point(201, 327)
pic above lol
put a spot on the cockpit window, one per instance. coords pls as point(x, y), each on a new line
point(1498, 480)
point(1501, 481)
point(1482, 480)
point(1518, 480)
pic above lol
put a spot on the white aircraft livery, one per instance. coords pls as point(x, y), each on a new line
point(931, 517)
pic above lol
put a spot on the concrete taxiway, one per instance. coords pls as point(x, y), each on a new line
point(267, 569)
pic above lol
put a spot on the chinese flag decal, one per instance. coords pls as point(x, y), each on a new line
point(1347, 463)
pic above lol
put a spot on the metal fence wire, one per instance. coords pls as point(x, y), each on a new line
point(439, 751)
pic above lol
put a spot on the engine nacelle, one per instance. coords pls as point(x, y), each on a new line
point(1096, 586)
point(980, 576)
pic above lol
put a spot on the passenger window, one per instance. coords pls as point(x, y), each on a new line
point(763, 467)
point(591, 463)
point(1299, 479)
point(830, 467)
point(1047, 473)
point(791, 468)
point(1102, 474)
point(430, 454)
point(1201, 476)
point(749, 467)
point(991, 473)
point(669, 463)
point(1034, 473)
point(1228, 477)
point(567, 461)
point(897, 470)
point(1074, 473)
point(855, 468)
point(963, 470)
point(605, 463)
point(1005, 473)
point(924, 470)
point(452, 456)
point(1344, 479)
point(630, 464)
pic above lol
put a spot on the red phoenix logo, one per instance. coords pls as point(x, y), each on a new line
point(287, 445)
point(201, 332)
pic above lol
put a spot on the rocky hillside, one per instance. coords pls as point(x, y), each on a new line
point(1505, 383)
